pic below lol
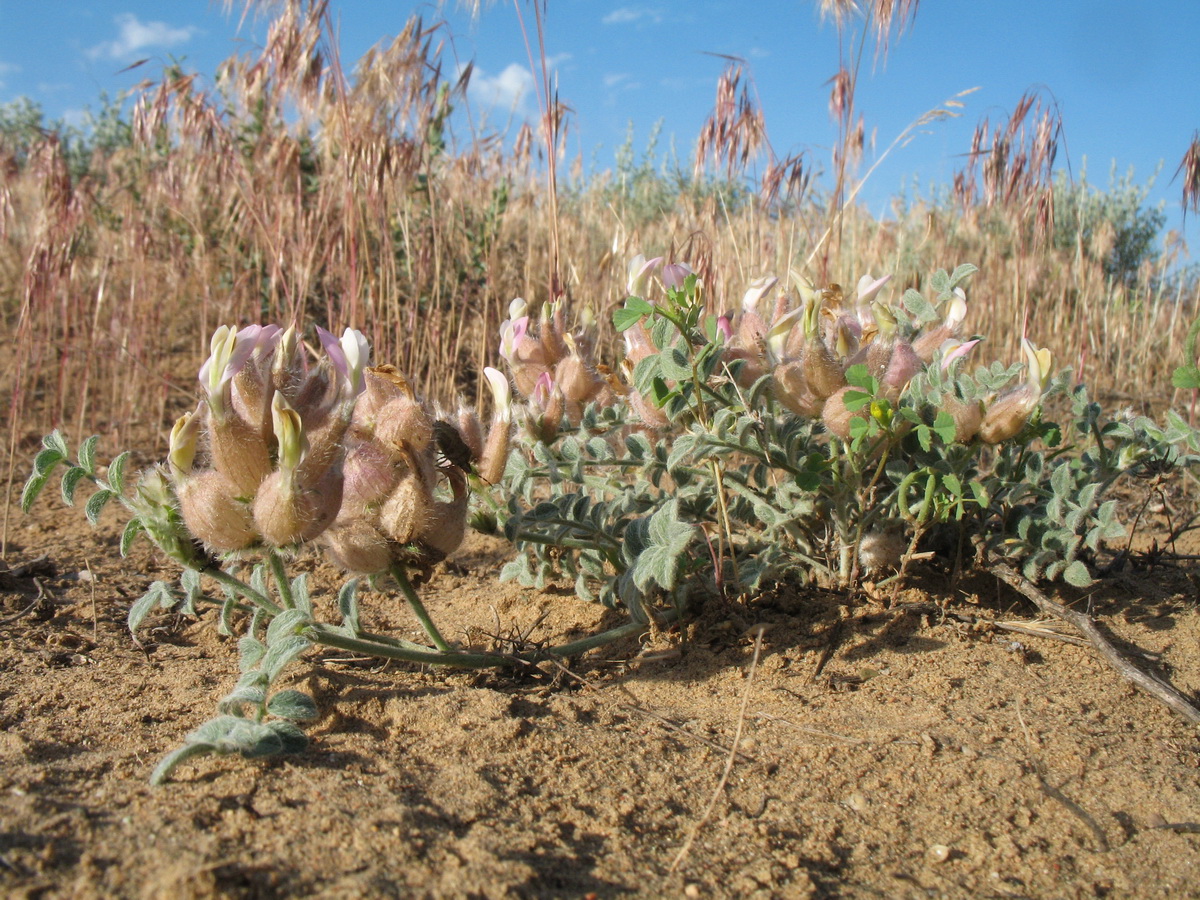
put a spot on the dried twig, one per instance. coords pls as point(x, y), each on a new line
point(1152, 684)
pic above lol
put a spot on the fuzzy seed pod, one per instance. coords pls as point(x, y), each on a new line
point(211, 513)
point(822, 370)
point(967, 417)
point(358, 547)
point(239, 452)
point(902, 365)
point(404, 423)
point(792, 390)
point(286, 513)
point(447, 521)
point(1007, 415)
point(369, 475)
point(837, 417)
point(882, 548)
point(405, 514)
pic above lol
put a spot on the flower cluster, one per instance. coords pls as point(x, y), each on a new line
point(332, 450)
point(807, 350)
point(553, 367)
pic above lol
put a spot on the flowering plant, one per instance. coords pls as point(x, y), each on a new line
point(811, 434)
point(291, 447)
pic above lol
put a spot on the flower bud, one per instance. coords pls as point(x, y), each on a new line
point(185, 434)
point(640, 270)
point(213, 514)
point(902, 365)
point(494, 457)
point(1008, 414)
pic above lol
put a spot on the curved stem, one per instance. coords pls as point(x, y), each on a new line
point(240, 587)
point(329, 637)
point(419, 610)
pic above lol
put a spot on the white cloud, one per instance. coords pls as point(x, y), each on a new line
point(511, 91)
point(626, 15)
point(5, 69)
point(136, 36)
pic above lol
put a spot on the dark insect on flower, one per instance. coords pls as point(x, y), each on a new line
point(453, 448)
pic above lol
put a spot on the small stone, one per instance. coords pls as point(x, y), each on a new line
point(1155, 820)
point(939, 853)
point(857, 801)
point(692, 890)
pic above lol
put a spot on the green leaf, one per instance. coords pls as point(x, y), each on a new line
point(921, 309)
point(634, 310)
point(943, 426)
point(300, 595)
point(87, 454)
point(250, 652)
point(116, 472)
point(54, 441)
point(243, 695)
point(961, 273)
point(282, 652)
point(133, 528)
point(953, 485)
point(939, 281)
point(96, 504)
point(1077, 574)
point(159, 594)
point(668, 540)
point(675, 364)
point(288, 622)
point(348, 606)
point(294, 705)
point(859, 376)
point(46, 460)
point(30, 492)
point(1186, 378)
point(291, 738)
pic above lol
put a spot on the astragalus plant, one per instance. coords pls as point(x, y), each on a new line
point(810, 434)
point(293, 446)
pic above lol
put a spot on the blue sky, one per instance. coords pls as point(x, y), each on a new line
point(1126, 76)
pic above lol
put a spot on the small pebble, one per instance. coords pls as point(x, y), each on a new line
point(857, 802)
point(692, 890)
point(1154, 820)
point(939, 853)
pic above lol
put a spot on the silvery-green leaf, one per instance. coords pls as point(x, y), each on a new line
point(250, 652)
point(46, 460)
point(54, 441)
point(96, 504)
point(30, 492)
point(133, 528)
point(116, 472)
point(158, 594)
point(87, 454)
point(1077, 574)
point(291, 738)
point(294, 705)
point(282, 652)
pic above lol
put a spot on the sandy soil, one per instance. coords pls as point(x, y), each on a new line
point(883, 752)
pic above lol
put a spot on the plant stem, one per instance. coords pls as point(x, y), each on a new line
point(329, 637)
point(240, 587)
point(419, 610)
point(281, 580)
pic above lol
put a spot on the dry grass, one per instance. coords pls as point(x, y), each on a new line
point(290, 190)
